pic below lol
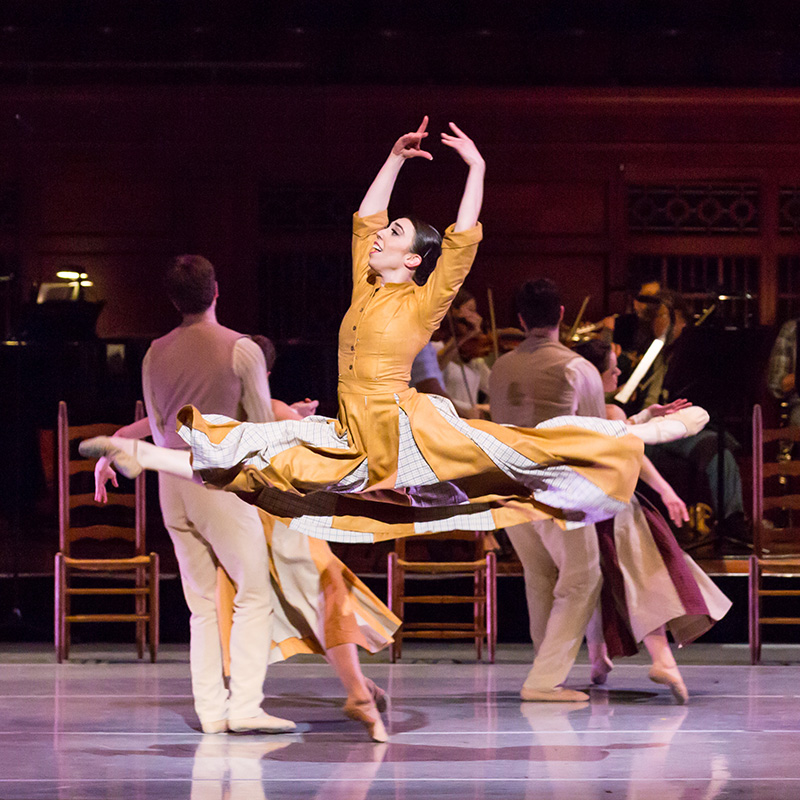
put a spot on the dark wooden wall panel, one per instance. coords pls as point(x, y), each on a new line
point(121, 178)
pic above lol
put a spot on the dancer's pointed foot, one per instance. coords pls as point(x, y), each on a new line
point(600, 668)
point(380, 696)
point(99, 446)
point(365, 712)
point(670, 676)
point(692, 420)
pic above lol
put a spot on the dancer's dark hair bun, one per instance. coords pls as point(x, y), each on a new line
point(428, 244)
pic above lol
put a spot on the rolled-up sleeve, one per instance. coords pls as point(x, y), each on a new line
point(251, 368)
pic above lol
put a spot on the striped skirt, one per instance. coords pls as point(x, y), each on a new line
point(648, 581)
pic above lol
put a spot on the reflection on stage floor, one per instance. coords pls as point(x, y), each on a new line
point(106, 726)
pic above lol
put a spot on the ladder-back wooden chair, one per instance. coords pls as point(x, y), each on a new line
point(776, 522)
point(482, 567)
point(112, 541)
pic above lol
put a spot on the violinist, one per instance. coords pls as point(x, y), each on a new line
point(463, 357)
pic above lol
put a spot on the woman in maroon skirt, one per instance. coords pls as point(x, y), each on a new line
point(649, 584)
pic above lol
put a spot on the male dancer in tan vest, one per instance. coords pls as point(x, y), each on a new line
point(539, 380)
point(218, 369)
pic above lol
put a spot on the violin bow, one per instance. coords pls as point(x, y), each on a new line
point(574, 329)
point(493, 323)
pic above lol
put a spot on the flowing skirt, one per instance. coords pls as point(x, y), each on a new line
point(318, 602)
point(403, 464)
point(648, 581)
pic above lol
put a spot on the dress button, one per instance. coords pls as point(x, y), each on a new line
point(354, 327)
point(351, 347)
point(350, 367)
point(360, 309)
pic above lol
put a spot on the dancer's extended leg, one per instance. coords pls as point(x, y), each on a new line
point(131, 456)
point(360, 703)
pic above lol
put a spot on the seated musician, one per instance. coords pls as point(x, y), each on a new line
point(681, 370)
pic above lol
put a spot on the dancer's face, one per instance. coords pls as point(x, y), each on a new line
point(392, 248)
point(611, 373)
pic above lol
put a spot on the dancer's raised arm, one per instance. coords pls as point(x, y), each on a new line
point(379, 193)
point(472, 199)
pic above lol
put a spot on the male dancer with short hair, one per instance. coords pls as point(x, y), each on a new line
point(539, 380)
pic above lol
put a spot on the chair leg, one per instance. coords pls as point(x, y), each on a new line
point(141, 610)
point(60, 613)
point(155, 606)
point(392, 601)
point(478, 608)
point(491, 605)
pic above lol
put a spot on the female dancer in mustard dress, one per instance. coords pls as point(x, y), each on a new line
point(395, 462)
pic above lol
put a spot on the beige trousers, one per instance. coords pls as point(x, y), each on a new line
point(210, 528)
point(562, 587)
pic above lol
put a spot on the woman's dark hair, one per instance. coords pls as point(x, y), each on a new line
point(539, 303)
point(267, 348)
point(190, 284)
point(596, 352)
point(462, 296)
point(428, 244)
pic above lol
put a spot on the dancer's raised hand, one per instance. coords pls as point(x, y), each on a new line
point(410, 145)
point(103, 473)
point(676, 508)
point(463, 145)
point(380, 191)
point(657, 410)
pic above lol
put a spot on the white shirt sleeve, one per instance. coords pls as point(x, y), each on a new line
point(251, 368)
point(589, 399)
point(153, 414)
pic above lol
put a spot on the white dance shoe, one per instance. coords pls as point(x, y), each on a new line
point(557, 695)
point(263, 723)
point(215, 726)
point(100, 446)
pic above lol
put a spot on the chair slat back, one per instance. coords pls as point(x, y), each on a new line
point(776, 488)
point(76, 491)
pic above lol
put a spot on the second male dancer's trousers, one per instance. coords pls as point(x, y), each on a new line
point(210, 527)
point(562, 586)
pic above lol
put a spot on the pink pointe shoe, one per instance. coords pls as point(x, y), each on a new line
point(670, 676)
point(100, 446)
point(380, 697)
point(600, 669)
point(366, 713)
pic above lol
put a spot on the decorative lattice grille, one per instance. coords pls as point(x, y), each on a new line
point(730, 282)
point(789, 210)
point(694, 209)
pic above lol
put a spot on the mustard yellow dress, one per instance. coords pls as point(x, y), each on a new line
point(398, 463)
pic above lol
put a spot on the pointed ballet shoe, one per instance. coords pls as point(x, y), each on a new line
point(99, 446)
point(557, 695)
point(367, 714)
point(669, 676)
point(600, 670)
point(380, 697)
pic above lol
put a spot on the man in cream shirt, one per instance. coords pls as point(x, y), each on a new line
point(223, 372)
point(539, 380)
